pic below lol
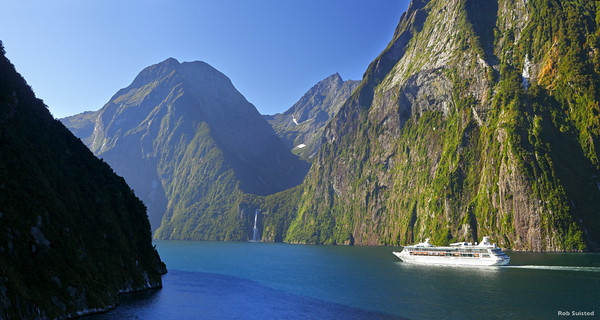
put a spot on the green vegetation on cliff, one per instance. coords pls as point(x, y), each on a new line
point(279, 211)
point(193, 148)
point(72, 233)
point(480, 118)
point(213, 218)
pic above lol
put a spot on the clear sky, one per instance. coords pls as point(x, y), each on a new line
point(77, 54)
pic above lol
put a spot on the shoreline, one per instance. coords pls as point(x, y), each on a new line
point(595, 250)
point(93, 311)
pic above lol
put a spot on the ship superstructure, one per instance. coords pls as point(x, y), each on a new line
point(460, 253)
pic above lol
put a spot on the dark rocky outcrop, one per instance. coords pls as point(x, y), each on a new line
point(72, 233)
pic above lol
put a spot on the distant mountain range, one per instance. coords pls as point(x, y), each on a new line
point(191, 147)
point(72, 233)
point(301, 126)
point(479, 118)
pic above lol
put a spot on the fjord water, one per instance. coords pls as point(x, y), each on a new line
point(237, 280)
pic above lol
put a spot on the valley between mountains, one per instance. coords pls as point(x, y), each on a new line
point(479, 118)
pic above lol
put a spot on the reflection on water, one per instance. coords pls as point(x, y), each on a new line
point(453, 272)
point(451, 268)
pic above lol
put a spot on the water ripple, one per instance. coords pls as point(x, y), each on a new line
point(556, 268)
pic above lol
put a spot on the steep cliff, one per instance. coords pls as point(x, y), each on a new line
point(72, 233)
point(479, 118)
point(301, 126)
point(192, 148)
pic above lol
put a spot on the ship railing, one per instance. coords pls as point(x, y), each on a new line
point(451, 250)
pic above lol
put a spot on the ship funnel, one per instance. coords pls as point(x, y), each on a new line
point(485, 241)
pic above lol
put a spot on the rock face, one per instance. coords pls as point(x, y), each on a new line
point(479, 118)
point(301, 126)
point(191, 147)
point(72, 233)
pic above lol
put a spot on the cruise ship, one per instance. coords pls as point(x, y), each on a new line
point(460, 253)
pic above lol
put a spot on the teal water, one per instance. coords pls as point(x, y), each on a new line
point(237, 280)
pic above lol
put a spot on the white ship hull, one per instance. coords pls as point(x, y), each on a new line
point(457, 254)
point(455, 261)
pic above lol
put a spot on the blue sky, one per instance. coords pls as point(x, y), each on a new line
point(77, 54)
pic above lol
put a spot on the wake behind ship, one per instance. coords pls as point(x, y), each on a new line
point(460, 253)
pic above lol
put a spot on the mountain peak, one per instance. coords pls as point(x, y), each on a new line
point(328, 87)
point(155, 71)
point(167, 64)
point(334, 78)
point(170, 61)
point(300, 126)
point(188, 116)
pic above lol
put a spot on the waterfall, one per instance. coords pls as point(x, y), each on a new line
point(255, 230)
